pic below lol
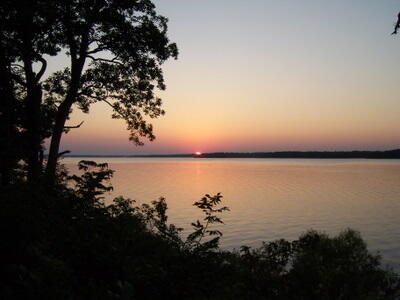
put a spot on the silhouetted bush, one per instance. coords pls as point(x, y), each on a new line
point(63, 242)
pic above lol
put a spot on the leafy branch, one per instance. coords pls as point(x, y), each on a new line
point(209, 205)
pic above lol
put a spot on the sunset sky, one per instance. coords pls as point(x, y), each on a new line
point(267, 75)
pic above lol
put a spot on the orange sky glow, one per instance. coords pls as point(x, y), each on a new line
point(288, 76)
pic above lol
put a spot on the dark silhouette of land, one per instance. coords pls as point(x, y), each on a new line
point(392, 154)
point(388, 154)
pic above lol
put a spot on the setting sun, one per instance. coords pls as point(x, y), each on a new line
point(197, 153)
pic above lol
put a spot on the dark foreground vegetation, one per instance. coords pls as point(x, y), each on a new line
point(63, 242)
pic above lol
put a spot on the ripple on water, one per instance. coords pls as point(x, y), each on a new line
point(271, 199)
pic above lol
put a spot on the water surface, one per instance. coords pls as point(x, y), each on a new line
point(272, 198)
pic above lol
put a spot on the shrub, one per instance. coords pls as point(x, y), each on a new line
point(63, 242)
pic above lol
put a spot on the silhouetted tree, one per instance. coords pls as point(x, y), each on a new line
point(8, 122)
point(27, 34)
point(116, 49)
point(125, 43)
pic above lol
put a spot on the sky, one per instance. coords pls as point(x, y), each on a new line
point(267, 75)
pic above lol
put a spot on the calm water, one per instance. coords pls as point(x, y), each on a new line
point(272, 198)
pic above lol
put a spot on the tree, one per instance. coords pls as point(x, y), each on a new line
point(8, 130)
point(116, 49)
point(27, 34)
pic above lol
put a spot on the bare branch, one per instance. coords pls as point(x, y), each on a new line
point(109, 103)
point(42, 69)
point(114, 60)
point(63, 153)
point(76, 126)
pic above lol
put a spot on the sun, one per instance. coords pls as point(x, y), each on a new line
point(197, 153)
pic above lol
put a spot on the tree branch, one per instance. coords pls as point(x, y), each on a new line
point(95, 50)
point(63, 153)
point(109, 103)
point(114, 60)
point(42, 69)
point(17, 79)
point(116, 111)
point(76, 126)
point(18, 66)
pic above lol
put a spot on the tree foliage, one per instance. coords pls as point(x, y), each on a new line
point(115, 49)
point(209, 205)
point(65, 242)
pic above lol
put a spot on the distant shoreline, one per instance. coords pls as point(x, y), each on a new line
point(389, 154)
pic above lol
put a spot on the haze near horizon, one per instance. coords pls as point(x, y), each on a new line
point(267, 76)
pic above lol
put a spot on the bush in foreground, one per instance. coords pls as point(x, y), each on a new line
point(65, 243)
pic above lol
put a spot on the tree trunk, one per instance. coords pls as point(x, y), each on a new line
point(8, 133)
point(33, 115)
point(77, 64)
point(62, 115)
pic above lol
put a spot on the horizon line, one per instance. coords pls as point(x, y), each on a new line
point(229, 152)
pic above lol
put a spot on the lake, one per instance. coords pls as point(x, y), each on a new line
point(272, 198)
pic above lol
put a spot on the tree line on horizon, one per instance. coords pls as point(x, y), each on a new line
point(387, 154)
